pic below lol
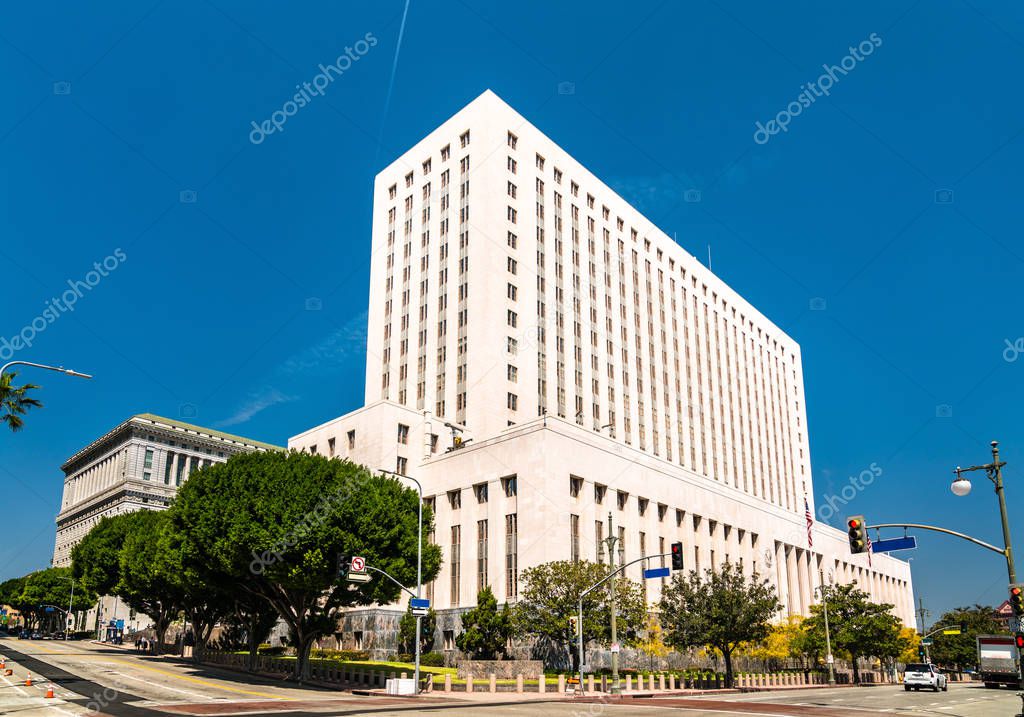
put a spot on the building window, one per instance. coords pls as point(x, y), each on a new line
point(540, 162)
point(401, 464)
point(641, 505)
point(449, 639)
point(146, 475)
point(621, 498)
point(662, 510)
point(512, 292)
point(510, 485)
point(513, 373)
point(357, 638)
point(621, 545)
point(512, 240)
point(403, 434)
point(180, 473)
point(392, 191)
point(512, 140)
point(513, 265)
point(456, 556)
point(599, 493)
point(513, 402)
point(351, 439)
point(446, 152)
point(455, 499)
point(464, 139)
point(574, 538)
point(148, 462)
point(481, 554)
point(575, 486)
point(433, 443)
point(598, 541)
point(168, 467)
point(312, 450)
point(512, 555)
point(512, 318)
point(330, 447)
point(480, 491)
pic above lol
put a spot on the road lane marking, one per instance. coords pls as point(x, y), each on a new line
point(200, 681)
point(163, 687)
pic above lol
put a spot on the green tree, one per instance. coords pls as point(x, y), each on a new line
point(485, 629)
point(960, 651)
point(859, 627)
point(95, 560)
point(407, 631)
point(145, 581)
point(15, 401)
point(782, 643)
point(247, 626)
point(550, 595)
point(274, 523)
point(51, 587)
point(721, 610)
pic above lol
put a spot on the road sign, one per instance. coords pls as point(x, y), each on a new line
point(830, 660)
point(615, 647)
point(420, 612)
point(926, 641)
point(358, 577)
point(656, 573)
point(49, 609)
point(952, 631)
point(358, 564)
point(420, 602)
point(907, 542)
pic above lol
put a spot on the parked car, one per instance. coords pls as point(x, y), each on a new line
point(920, 674)
point(37, 635)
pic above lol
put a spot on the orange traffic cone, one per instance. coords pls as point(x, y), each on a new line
point(49, 691)
point(28, 680)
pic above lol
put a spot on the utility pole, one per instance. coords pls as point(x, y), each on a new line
point(611, 540)
point(828, 634)
point(922, 614)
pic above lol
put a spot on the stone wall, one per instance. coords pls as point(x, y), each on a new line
point(502, 669)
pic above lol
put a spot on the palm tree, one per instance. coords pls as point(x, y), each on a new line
point(15, 401)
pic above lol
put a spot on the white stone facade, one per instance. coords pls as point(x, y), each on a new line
point(578, 349)
point(136, 466)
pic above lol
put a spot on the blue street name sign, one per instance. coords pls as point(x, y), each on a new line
point(907, 542)
point(656, 573)
point(420, 602)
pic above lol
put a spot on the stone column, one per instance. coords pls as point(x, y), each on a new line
point(794, 587)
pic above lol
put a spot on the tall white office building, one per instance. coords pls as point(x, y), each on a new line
point(589, 365)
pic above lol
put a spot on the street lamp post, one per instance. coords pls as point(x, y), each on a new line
point(994, 472)
point(611, 540)
point(828, 634)
point(419, 569)
point(59, 369)
point(962, 486)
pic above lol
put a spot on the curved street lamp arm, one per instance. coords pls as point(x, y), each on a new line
point(378, 570)
point(982, 543)
point(59, 369)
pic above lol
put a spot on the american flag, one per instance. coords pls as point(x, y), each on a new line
point(810, 523)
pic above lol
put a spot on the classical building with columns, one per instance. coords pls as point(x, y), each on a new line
point(587, 365)
point(136, 466)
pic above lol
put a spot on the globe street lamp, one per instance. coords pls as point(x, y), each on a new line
point(961, 486)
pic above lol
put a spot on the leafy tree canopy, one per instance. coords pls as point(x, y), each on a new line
point(550, 595)
point(721, 609)
point(486, 630)
point(960, 651)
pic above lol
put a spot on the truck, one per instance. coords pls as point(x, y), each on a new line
point(998, 660)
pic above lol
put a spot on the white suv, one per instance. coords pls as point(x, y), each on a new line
point(919, 674)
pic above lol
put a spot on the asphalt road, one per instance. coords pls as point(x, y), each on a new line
point(91, 679)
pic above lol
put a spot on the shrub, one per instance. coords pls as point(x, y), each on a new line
point(343, 655)
point(266, 649)
point(432, 659)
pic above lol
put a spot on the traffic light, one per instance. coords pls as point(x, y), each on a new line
point(1018, 640)
point(344, 565)
point(1017, 598)
point(858, 533)
point(677, 556)
point(920, 652)
point(574, 626)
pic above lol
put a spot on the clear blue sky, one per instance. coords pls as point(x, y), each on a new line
point(208, 311)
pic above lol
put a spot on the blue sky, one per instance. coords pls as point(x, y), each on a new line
point(880, 230)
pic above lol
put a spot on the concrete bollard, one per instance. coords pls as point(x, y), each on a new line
point(448, 682)
point(405, 675)
point(561, 684)
point(469, 682)
point(590, 683)
point(672, 682)
point(541, 683)
point(493, 683)
point(519, 683)
point(604, 683)
point(640, 682)
point(629, 683)
point(661, 682)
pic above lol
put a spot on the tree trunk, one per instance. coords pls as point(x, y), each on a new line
point(727, 655)
point(254, 647)
point(303, 645)
point(856, 670)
